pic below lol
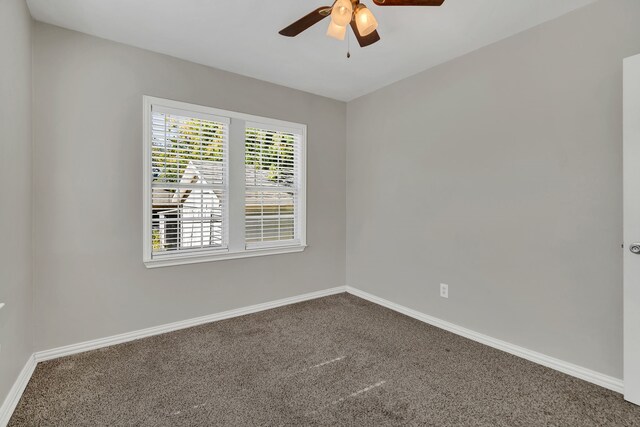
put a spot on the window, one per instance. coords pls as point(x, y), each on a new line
point(272, 186)
point(188, 181)
point(220, 185)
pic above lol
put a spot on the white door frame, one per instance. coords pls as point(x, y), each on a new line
point(631, 228)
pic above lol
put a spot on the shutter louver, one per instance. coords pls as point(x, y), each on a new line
point(272, 186)
point(189, 184)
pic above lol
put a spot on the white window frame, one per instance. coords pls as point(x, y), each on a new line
point(234, 211)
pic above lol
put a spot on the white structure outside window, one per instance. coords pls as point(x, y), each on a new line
point(220, 185)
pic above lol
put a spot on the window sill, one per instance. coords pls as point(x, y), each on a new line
point(248, 253)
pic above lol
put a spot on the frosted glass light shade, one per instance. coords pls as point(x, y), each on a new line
point(341, 13)
point(336, 31)
point(365, 21)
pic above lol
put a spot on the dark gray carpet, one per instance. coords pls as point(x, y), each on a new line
point(333, 361)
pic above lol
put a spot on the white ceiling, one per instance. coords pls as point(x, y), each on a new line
point(242, 36)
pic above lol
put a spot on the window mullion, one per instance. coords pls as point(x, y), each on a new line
point(236, 185)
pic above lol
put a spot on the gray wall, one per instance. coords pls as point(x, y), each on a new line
point(16, 336)
point(89, 274)
point(500, 174)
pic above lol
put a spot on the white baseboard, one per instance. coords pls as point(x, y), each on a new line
point(16, 391)
point(68, 350)
point(12, 399)
point(594, 377)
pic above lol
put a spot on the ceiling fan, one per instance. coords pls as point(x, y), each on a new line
point(353, 13)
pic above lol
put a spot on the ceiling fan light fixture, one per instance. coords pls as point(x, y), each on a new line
point(365, 21)
point(342, 12)
point(336, 31)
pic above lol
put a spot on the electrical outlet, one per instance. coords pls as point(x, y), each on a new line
point(444, 290)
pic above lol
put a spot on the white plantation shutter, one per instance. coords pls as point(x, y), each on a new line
point(189, 181)
point(272, 186)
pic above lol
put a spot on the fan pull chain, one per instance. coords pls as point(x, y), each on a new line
point(348, 44)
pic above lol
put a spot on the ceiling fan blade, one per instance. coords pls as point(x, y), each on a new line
point(367, 40)
point(306, 21)
point(408, 2)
